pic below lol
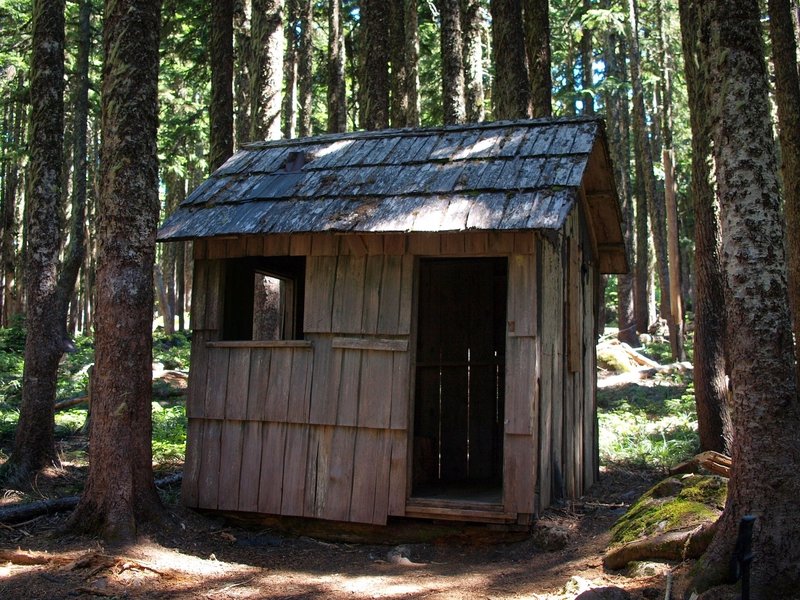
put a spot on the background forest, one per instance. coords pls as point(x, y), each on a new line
point(676, 82)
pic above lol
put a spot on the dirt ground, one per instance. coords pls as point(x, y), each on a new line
point(201, 556)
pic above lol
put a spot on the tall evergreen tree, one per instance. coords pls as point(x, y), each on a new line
point(241, 83)
point(511, 95)
point(452, 51)
point(266, 71)
point(337, 93)
point(221, 107)
point(537, 45)
point(34, 443)
point(765, 410)
point(374, 80)
point(471, 33)
point(305, 67)
point(119, 490)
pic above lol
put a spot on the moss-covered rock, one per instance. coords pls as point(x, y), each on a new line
point(674, 504)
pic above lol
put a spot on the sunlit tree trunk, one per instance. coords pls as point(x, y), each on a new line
point(471, 30)
point(511, 96)
point(266, 71)
point(765, 411)
point(587, 63)
point(537, 45)
point(452, 52)
point(411, 29)
point(305, 67)
point(710, 388)
point(242, 61)
point(119, 490)
point(290, 71)
point(374, 78)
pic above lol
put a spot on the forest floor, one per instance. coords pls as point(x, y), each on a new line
point(192, 555)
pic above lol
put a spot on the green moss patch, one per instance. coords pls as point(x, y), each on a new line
point(673, 504)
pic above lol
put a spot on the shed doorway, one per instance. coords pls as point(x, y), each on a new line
point(460, 380)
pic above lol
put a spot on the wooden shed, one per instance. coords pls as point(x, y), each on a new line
point(399, 323)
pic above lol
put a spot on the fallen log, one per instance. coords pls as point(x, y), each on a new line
point(709, 460)
point(23, 512)
point(70, 402)
point(673, 545)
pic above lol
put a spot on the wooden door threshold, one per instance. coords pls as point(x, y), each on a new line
point(454, 510)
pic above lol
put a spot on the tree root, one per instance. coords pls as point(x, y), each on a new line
point(673, 545)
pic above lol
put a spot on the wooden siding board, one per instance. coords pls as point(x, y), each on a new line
point(521, 387)
point(324, 390)
point(367, 498)
point(338, 484)
point(276, 467)
point(300, 388)
point(320, 283)
point(348, 295)
point(258, 384)
point(390, 296)
point(199, 293)
point(519, 474)
point(192, 472)
point(349, 386)
point(276, 406)
point(398, 474)
point(196, 398)
point(236, 399)
point(372, 293)
point(217, 387)
point(375, 395)
point(250, 479)
point(230, 465)
point(208, 484)
point(401, 391)
point(294, 467)
point(522, 308)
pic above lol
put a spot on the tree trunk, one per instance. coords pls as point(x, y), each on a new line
point(221, 108)
point(398, 92)
point(619, 135)
point(511, 95)
point(655, 206)
point(374, 78)
point(288, 112)
point(537, 45)
point(266, 71)
point(710, 388)
point(411, 53)
point(787, 98)
point(471, 30)
point(452, 50)
point(241, 82)
point(305, 67)
point(119, 489)
point(587, 63)
point(765, 410)
point(641, 299)
point(34, 443)
point(670, 187)
point(9, 216)
point(337, 94)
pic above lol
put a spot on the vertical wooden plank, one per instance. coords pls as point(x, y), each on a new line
point(236, 248)
point(230, 465)
point(518, 476)
point(347, 414)
point(276, 460)
point(258, 384)
point(324, 244)
point(390, 295)
point(589, 386)
point(372, 293)
point(317, 469)
point(320, 283)
point(348, 296)
point(501, 242)
point(294, 473)
point(238, 384)
point(406, 295)
point(250, 480)
point(191, 467)
point(523, 243)
point(324, 389)
point(208, 485)
point(300, 387)
point(398, 474)
point(199, 249)
point(339, 485)
point(217, 386)
point(353, 245)
point(216, 249)
point(254, 245)
point(214, 294)
point(277, 392)
point(276, 244)
point(195, 401)
point(199, 291)
point(522, 295)
point(364, 476)
point(374, 405)
point(300, 244)
point(453, 244)
point(394, 244)
point(373, 243)
point(476, 243)
point(401, 390)
point(424, 244)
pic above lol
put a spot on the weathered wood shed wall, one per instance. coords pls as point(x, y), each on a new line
point(323, 425)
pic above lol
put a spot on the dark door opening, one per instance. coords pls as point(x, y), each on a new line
point(460, 380)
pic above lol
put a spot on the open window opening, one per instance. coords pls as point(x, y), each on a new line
point(264, 298)
point(460, 380)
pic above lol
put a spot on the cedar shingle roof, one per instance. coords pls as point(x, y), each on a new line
point(512, 176)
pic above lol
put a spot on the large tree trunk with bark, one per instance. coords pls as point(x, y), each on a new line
point(511, 94)
point(242, 62)
point(221, 108)
point(305, 67)
point(471, 30)
point(765, 411)
point(537, 45)
point(266, 71)
point(787, 98)
point(337, 98)
point(34, 443)
point(587, 63)
point(710, 388)
point(374, 78)
point(119, 490)
point(289, 112)
point(452, 50)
